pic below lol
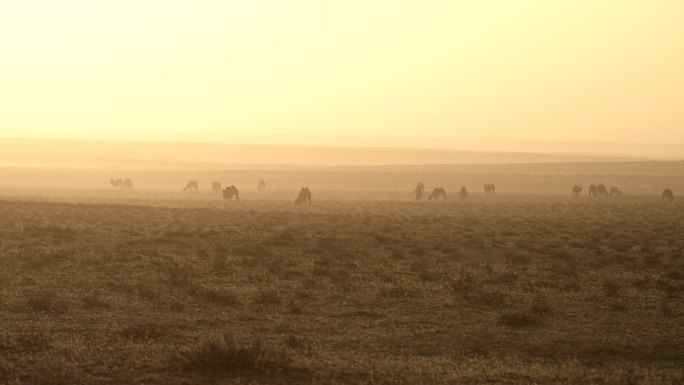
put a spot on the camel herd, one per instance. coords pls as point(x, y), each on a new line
point(304, 196)
point(438, 192)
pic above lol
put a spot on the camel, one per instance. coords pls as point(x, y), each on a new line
point(420, 189)
point(216, 187)
point(463, 194)
point(230, 192)
point(490, 188)
point(436, 193)
point(593, 191)
point(304, 196)
point(668, 195)
point(602, 190)
point(191, 186)
point(576, 190)
point(599, 190)
point(262, 185)
point(614, 191)
point(122, 184)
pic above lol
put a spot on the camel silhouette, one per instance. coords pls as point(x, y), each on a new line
point(420, 189)
point(230, 192)
point(262, 185)
point(191, 186)
point(614, 191)
point(436, 193)
point(304, 196)
point(576, 190)
point(122, 183)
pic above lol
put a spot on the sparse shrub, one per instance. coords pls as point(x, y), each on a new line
point(286, 236)
point(610, 288)
point(573, 286)
point(618, 306)
point(295, 308)
point(675, 275)
point(52, 370)
point(398, 254)
point(250, 262)
point(666, 310)
point(95, 301)
point(420, 264)
point(518, 259)
point(430, 276)
point(256, 251)
point(294, 342)
point(202, 253)
point(482, 297)
point(25, 342)
point(541, 307)
point(177, 274)
point(221, 354)
point(418, 251)
point(219, 296)
point(518, 320)
point(653, 260)
point(621, 246)
point(505, 278)
point(47, 302)
point(220, 265)
point(9, 374)
point(464, 282)
point(142, 331)
point(642, 283)
point(147, 292)
point(398, 292)
point(268, 297)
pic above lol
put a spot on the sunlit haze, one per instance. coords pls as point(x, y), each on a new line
point(483, 70)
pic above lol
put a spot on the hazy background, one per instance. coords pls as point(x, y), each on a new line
point(431, 74)
point(351, 96)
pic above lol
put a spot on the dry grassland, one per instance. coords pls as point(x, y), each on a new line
point(506, 289)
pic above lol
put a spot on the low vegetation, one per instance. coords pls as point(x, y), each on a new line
point(497, 289)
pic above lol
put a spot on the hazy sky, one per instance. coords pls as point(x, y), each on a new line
point(546, 70)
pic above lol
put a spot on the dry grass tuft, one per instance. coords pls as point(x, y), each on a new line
point(221, 354)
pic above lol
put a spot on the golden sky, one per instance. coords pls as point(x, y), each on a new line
point(583, 70)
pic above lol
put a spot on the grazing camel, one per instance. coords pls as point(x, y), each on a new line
point(122, 184)
point(262, 185)
point(490, 188)
point(602, 190)
point(436, 193)
point(614, 191)
point(420, 189)
point(599, 190)
point(216, 187)
point(304, 196)
point(668, 195)
point(576, 190)
point(463, 194)
point(230, 192)
point(191, 186)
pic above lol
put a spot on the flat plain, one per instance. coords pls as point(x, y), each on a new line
point(503, 289)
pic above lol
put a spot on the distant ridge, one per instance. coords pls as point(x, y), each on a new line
point(212, 156)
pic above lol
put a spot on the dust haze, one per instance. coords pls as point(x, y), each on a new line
point(127, 262)
point(341, 192)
